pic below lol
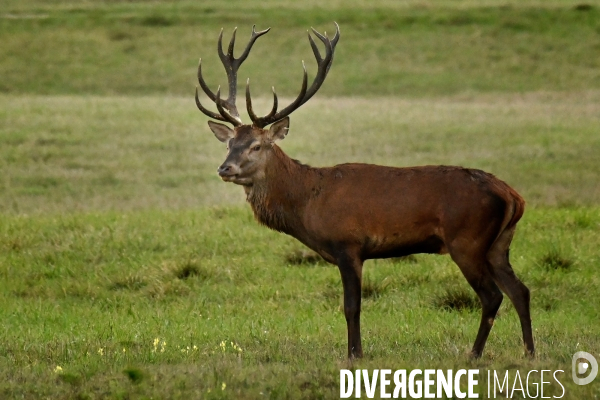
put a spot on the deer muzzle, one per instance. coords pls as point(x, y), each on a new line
point(228, 171)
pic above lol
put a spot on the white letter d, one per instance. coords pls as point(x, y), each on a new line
point(346, 389)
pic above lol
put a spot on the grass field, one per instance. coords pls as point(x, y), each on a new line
point(128, 270)
point(397, 49)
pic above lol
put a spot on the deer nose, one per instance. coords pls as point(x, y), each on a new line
point(224, 170)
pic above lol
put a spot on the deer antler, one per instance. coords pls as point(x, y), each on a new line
point(231, 65)
point(227, 108)
point(324, 63)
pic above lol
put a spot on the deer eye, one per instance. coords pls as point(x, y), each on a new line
point(256, 148)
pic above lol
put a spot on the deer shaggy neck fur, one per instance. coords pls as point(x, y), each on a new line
point(279, 198)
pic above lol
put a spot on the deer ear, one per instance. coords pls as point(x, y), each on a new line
point(222, 132)
point(279, 129)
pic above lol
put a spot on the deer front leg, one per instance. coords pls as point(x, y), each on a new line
point(351, 271)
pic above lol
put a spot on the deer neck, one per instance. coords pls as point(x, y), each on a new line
point(279, 197)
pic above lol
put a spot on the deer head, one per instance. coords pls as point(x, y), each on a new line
point(251, 145)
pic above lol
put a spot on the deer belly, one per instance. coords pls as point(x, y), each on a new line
point(393, 245)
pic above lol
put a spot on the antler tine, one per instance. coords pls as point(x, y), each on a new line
point(336, 37)
point(210, 94)
point(314, 47)
point(232, 42)
point(230, 118)
point(323, 63)
point(251, 113)
point(255, 118)
point(274, 109)
point(255, 35)
point(203, 84)
point(206, 111)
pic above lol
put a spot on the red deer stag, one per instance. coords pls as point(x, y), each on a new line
point(353, 212)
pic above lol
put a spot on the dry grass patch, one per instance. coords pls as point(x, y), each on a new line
point(130, 282)
point(373, 288)
point(303, 257)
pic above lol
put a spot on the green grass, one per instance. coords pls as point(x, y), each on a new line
point(411, 49)
point(129, 270)
point(92, 292)
point(63, 153)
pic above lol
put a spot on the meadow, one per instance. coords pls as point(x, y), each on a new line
point(129, 270)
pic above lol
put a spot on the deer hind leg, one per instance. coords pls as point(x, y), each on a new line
point(490, 297)
point(475, 269)
point(351, 271)
point(506, 279)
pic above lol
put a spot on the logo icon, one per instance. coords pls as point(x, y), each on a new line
point(583, 362)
